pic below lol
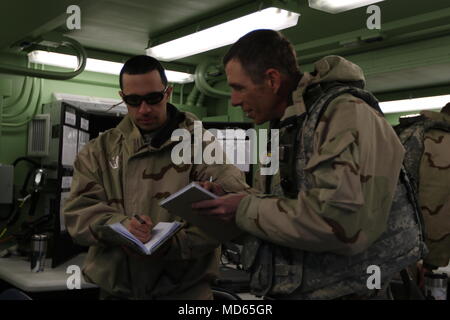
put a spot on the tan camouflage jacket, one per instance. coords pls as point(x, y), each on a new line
point(116, 176)
point(354, 168)
point(434, 191)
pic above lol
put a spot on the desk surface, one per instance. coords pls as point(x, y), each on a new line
point(445, 270)
point(16, 271)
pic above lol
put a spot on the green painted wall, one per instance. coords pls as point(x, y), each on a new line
point(13, 140)
point(28, 95)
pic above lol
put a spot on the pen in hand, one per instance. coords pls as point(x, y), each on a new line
point(139, 219)
point(141, 228)
point(212, 186)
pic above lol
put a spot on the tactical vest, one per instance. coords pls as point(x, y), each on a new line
point(282, 272)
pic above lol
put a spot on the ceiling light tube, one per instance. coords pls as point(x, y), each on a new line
point(418, 104)
point(223, 34)
point(95, 65)
point(337, 6)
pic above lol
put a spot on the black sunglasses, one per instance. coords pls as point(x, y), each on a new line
point(135, 100)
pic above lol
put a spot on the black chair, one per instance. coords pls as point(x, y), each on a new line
point(14, 294)
point(222, 294)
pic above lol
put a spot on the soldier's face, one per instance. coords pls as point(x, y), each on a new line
point(147, 116)
point(258, 101)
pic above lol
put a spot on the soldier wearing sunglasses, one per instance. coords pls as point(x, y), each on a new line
point(127, 171)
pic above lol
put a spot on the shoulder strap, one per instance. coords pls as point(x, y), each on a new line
point(317, 110)
point(319, 107)
point(290, 155)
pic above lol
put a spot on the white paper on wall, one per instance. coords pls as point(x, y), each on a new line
point(83, 138)
point(69, 145)
point(237, 149)
point(66, 182)
point(84, 124)
point(71, 118)
point(64, 196)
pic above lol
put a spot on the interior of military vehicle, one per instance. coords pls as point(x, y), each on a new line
point(59, 67)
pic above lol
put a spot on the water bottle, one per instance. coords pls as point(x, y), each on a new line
point(436, 286)
point(38, 252)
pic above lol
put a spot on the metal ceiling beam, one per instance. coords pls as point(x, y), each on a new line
point(31, 19)
point(425, 26)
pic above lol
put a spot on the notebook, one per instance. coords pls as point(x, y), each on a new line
point(179, 204)
point(193, 192)
point(160, 234)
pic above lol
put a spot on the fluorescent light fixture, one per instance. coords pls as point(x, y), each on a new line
point(179, 77)
point(427, 103)
point(336, 6)
point(223, 34)
point(95, 65)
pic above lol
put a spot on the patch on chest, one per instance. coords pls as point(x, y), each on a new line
point(114, 162)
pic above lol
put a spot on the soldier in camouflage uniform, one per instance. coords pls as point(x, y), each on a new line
point(428, 138)
point(341, 207)
point(434, 190)
point(128, 170)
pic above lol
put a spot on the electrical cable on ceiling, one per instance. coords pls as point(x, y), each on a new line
point(35, 111)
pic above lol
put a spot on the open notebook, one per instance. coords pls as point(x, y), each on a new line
point(179, 204)
point(160, 234)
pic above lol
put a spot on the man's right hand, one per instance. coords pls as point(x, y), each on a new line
point(142, 231)
point(213, 187)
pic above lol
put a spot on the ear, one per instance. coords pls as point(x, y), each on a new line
point(273, 79)
point(169, 91)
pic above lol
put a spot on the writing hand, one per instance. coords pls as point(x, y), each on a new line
point(142, 231)
point(213, 187)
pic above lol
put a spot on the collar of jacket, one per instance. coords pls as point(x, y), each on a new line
point(134, 137)
point(330, 70)
point(298, 106)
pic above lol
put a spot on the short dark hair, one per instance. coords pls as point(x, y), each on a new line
point(446, 109)
point(262, 49)
point(140, 65)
